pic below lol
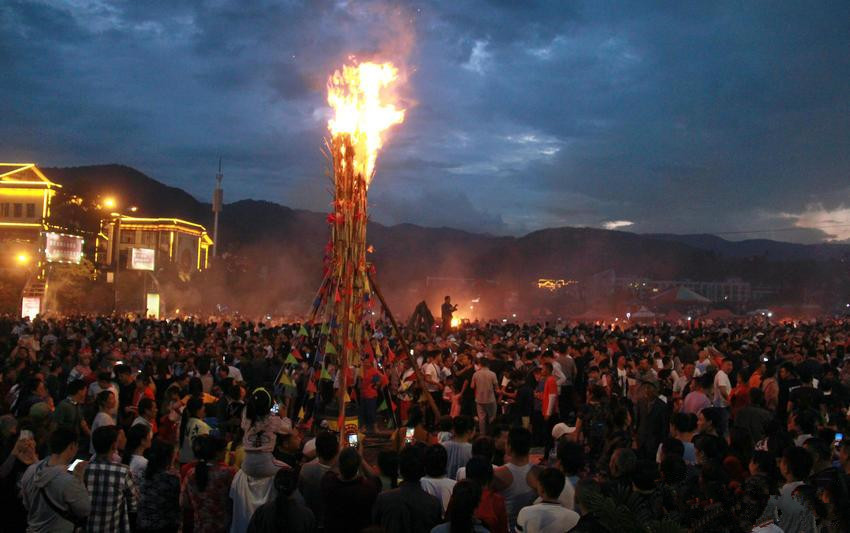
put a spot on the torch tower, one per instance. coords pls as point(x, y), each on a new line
point(218, 197)
point(359, 119)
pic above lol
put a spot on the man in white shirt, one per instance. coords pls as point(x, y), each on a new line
point(722, 385)
point(435, 482)
point(548, 516)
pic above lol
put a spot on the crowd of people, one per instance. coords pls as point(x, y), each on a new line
point(127, 424)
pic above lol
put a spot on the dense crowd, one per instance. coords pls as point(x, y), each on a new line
point(120, 424)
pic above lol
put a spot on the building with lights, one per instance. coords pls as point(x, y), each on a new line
point(152, 244)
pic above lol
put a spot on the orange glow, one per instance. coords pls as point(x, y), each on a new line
point(354, 93)
point(109, 202)
point(22, 258)
point(455, 322)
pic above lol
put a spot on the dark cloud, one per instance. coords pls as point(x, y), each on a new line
point(678, 117)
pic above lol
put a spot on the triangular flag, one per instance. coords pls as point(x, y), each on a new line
point(301, 414)
point(311, 386)
point(390, 423)
point(347, 397)
point(303, 331)
point(290, 360)
point(285, 380)
point(390, 355)
point(378, 350)
point(383, 406)
point(296, 354)
point(329, 348)
point(325, 374)
point(325, 328)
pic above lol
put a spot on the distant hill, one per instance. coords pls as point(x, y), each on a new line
point(287, 245)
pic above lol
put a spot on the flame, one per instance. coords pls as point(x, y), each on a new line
point(354, 93)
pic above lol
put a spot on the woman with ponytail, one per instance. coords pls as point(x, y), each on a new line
point(207, 488)
point(261, 427)
point(192, 425)
point(460, 515)
point(138, 442)
point(284, 513)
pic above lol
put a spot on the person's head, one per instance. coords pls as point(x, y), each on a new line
point(124, 374)
point(726, 365)
point(462, 426)
point(104, 379)
point(207, 449)
point(138, 440)
point(672, 469)
point(645, 476)
point(147, 408)
point(63, 444)
point(349, 463)
point(436, 460)
point(77, 390)
point(820, 450)
point(105, 440)
point(484, 447)
point(106, 401)
point(762, 463)
point(672, 446)
point(550, 483)
point(410, 463)
point(466, 496)
point(688, 370)
point(388, 466)
point(259, 404)
point(571, 457)
point(683, 423)
point(447, 299)
point(803, 422)
point(623, 463)
point(756, 397)
point(160, 458)
point(327, 447)
point(479, 470)
point(710, 421)
point(519, 443)
point(796, 464)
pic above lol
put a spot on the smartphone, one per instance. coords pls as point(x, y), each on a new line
point(353, 440)
point(408, 436)
point(411, 351)
point(838, 438)
point(73, 465)
point(276, 408)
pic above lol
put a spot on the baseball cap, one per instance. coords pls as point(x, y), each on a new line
point(560, 429)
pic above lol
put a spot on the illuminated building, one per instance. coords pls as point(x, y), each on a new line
point(25, 197)
point(153, 241)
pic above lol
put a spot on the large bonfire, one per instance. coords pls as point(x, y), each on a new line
point(357, 127)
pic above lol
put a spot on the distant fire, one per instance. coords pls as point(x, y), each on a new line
point(554, 284)
point(354, 93)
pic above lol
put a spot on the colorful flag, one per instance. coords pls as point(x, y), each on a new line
point(303, 331)
point(329, 348)
point(290, 360)
point(325, 374)
point(285, 380)
point(383, 406)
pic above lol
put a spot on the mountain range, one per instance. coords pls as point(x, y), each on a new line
point(288, 245)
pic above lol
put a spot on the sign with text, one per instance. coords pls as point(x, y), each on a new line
point(142, 259)
point(30, 306)
point(62, 248)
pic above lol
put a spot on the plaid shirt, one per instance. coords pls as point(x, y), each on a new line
point(113, 496)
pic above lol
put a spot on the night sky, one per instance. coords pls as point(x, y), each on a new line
point(681, 117)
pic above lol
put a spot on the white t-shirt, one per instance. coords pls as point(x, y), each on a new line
point(567, 497)
point(440, 488)
point(194, 427)
point(261, 435)
point(721, 380)
point(138, 465)
point(546, 518)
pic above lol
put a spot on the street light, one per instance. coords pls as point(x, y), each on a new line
point(22, 258)
point(109, 202)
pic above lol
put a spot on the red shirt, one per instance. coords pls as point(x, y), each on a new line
point(370, 381)
point(492, 511)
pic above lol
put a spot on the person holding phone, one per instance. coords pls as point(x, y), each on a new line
point(55, 498)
